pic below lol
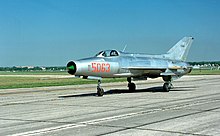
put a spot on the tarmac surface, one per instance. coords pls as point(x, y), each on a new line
point(191, 108)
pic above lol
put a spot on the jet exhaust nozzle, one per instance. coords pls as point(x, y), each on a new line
point(71, 67)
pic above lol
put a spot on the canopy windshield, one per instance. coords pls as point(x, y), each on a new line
point(107, 53)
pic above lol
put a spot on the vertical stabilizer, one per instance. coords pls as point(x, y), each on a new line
point(180, 50)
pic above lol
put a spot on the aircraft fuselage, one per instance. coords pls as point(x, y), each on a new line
point(114, 64)
point(125, 66)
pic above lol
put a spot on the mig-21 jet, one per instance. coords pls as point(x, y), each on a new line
point(134, 66)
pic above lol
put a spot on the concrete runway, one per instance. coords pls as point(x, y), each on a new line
point(191, 108)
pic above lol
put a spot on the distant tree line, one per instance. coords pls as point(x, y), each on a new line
point(205, 62)
point(15, 68)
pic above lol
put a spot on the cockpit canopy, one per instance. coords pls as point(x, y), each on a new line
point(107, 53)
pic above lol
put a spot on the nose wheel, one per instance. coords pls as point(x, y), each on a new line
point(100, 90)
point(131, 85)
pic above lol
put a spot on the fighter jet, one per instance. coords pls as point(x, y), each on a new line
point(134, 66)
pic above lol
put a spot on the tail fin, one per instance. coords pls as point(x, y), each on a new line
point(180, 50)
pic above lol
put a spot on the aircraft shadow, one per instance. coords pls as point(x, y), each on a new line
point(121, 91)
point(79, 95)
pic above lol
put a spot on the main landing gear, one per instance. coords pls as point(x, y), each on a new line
point(131, 85)
point(100, 90)
point(167, 85)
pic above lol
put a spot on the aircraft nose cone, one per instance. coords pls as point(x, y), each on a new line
point(71, 67)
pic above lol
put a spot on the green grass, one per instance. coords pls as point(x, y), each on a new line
point(205, 72)
point(7, 82)
point(29, 82)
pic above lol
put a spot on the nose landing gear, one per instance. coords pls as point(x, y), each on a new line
point(131, 85)
point(100, 90)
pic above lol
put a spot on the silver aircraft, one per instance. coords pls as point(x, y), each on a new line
point(133, 66)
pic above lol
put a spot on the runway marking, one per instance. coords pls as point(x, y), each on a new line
point(80, 124)
point(51, 129)
point(112, 118)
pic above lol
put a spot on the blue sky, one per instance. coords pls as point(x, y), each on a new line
point(52, 32)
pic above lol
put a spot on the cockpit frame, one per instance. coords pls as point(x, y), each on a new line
point(108, 53)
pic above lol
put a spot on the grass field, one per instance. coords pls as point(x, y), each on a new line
point(8, 82)
point(205, 72)
point(14, 81)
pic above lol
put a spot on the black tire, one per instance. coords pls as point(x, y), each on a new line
point(166, 87)
point(170, 86)
point(100, 91)
point(131, 86)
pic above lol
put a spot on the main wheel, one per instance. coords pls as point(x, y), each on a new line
point(166, 87)
point(170, 86)
point(131, 86)
point(100, 91)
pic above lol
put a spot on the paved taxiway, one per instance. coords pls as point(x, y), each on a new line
point(191, 108)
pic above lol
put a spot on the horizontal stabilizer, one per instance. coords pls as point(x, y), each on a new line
point(168, 72)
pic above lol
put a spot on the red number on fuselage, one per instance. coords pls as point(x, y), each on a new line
point(101, 67)
point(94, 68)
point(108, 67)
point(98, 67)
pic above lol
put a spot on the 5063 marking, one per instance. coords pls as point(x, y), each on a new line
point(101, 67)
